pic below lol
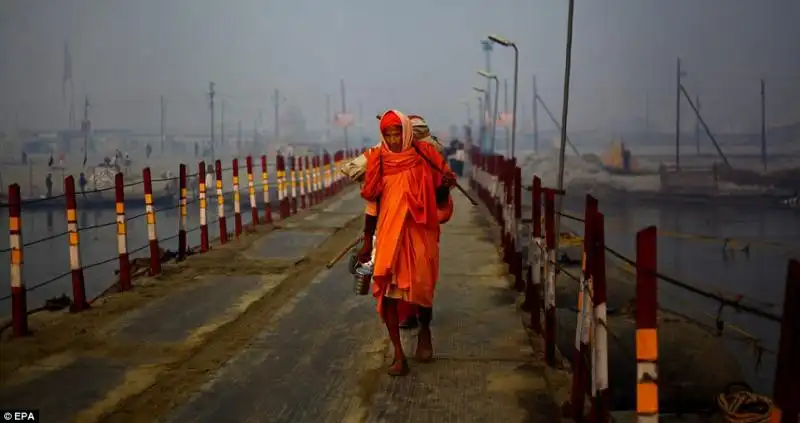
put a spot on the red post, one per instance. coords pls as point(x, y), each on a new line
point(550, 288)
point(283, 198)
point(223, 226)
point(519, 280)
point(251, 192)
point(293, 183)
point(79, 302)
point(535, 270)
point(301, 178)
point(237, 210)
point(327, 175)
point(312, 194)
point(600, 408)
point(19, 302)
point(581, 367)
point(787, 372)
point(646, 323)
point(202, 196)
point(122, 234)
point(265, 186)
point(152, 237)
point(335, 173)
point(182, 223)
point(309, 189)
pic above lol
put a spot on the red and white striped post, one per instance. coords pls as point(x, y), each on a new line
point(505, 192)
point(237, 208)
point(309, 190)
point(283, 198)
point(326, 163)
point(201, 196)
point(152, 237)
point(316, 179)
point(600, 408)
point(265, 187)
point(550, 284)
point(122, 234)
point(19, 302)
point(293, 183)
point(251, 192)
point(312, 180)
point(535, 269)
point(515, 230)
point(301, 182)
point(223, 227)
point(335, 172)
point(79, 302)
point(319, 189)
point(183, 214)
point(581, 355)
point(646, 325)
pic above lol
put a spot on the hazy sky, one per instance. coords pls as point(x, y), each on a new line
point(416, 55)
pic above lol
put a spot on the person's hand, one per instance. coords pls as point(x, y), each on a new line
point(449, 179)
point(365, 253)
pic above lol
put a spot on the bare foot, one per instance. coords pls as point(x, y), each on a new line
point(424, 351)
point(399, 367)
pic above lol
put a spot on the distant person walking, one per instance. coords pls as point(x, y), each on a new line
point(48, 183)
point(82, 183)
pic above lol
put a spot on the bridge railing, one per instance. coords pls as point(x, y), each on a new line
point(299, 182)
point(498, 182)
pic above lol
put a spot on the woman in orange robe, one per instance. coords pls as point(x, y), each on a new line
point(409, 181)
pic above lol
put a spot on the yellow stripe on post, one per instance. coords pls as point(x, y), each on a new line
point(72, 215)
point(16, 256)
point(121, 228)
point(13, 224)
point(120, 208)
point(148, 199)
point(151, 218)
point(647, 398)
point(646, 344)
point(73, 238)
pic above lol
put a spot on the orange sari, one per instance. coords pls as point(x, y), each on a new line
point(407, 235)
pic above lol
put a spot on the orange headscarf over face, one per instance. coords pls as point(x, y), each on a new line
point(420, 179)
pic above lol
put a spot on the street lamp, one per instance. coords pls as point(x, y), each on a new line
point(469, 113)
point(482, 108)
point(506, 43)
point(490, 76)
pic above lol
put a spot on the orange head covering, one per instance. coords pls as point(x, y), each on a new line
point(396, 118)
point(390, 119)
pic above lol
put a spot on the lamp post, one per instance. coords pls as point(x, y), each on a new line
point(506, 43)
point(482, 107)
point(469, 112)
point(490, 76)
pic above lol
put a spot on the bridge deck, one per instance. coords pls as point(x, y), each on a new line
point(294, 344)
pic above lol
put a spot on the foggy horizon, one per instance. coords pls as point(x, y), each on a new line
point(420, 58)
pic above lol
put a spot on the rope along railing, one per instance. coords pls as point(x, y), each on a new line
point(317, 179)
point(498, 182)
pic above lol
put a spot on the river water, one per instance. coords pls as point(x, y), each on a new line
point(690, 249)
